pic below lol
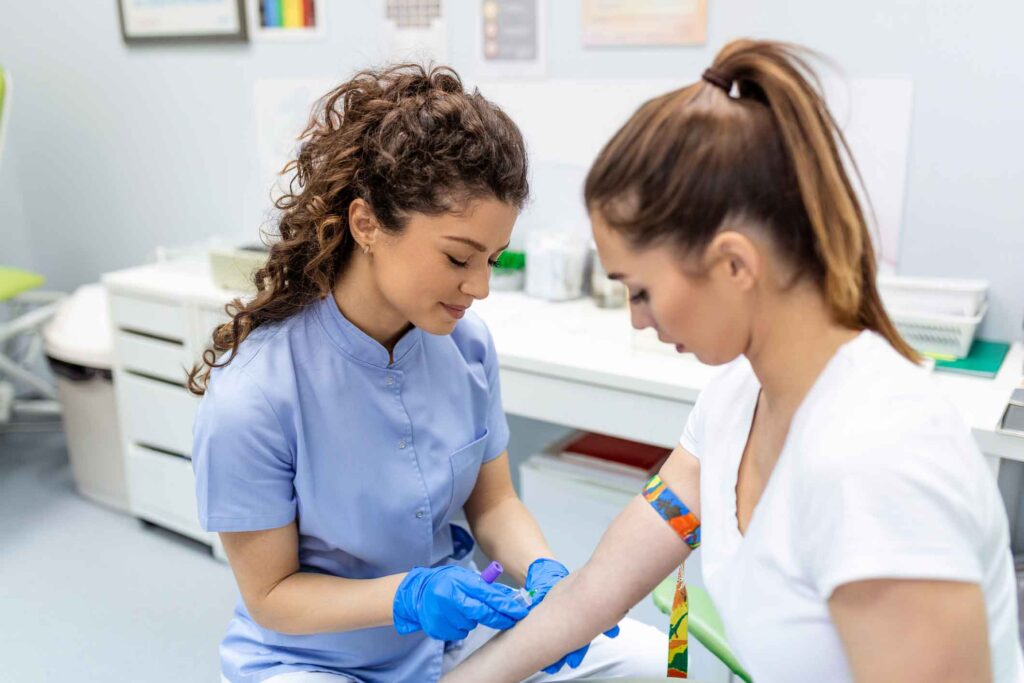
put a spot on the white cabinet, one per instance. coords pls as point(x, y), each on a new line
point(159, 332)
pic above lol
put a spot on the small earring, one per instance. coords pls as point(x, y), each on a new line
point(366, 249)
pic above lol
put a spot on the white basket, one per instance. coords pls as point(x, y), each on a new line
point(941, 335)
point(942, 296)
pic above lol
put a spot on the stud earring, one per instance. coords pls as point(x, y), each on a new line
point(366, 249)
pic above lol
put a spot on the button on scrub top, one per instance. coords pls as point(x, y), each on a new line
point(311, 422)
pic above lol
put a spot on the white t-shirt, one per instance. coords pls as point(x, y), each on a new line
point(878, 478)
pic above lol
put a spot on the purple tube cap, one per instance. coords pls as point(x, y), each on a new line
point(493, 571)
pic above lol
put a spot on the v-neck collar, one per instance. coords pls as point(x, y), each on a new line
point(750, 407)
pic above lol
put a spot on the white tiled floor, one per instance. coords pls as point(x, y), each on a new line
point(87, 594)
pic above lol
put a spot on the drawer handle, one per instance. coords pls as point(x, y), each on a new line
point(154, 378)
point(162, 451)
point(150, 335)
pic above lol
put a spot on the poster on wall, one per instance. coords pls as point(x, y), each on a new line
point(510, 39)
point(146, 21)
point(414, 30)
point(625, 23)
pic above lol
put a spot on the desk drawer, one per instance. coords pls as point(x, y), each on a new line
point(157, 413)
point(163, 491)
point(151, 356)
point(150, 316)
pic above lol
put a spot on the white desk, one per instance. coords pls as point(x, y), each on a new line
point(566, 363)
point(573, 364)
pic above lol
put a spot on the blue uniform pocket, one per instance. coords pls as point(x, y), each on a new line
point(465, 464)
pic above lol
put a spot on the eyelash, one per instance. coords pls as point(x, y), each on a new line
point(465, 264)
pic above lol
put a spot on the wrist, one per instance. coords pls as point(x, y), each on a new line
point(407, 596)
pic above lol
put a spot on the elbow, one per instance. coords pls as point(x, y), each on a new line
point(263, 616)
point(270, 619)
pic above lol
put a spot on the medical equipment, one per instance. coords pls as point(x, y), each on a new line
point(556, 264)
point(233, 269)
point(937, 316)
point(605, 292)
point(491, 574)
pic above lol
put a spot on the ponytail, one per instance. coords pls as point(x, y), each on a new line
point(772, 154)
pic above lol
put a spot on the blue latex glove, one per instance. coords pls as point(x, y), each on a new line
point(541, 577)
point(448, 602)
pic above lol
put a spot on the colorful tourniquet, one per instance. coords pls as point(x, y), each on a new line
point(672, 510)
point(678, 636)
point(687, 526)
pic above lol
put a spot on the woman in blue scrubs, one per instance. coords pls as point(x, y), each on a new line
point(352, 409)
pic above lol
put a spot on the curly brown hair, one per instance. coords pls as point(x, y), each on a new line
point(405, 139)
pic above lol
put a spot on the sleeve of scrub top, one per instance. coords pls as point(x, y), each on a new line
point(694, 429)
point(497, 423)
point(242, 459)
point(898, 509)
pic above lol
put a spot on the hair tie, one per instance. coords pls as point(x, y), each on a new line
point(715, 78)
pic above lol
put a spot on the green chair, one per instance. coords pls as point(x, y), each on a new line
point(29, 310)
point(704, 623)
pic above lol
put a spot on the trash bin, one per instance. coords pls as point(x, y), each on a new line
point(80, 349)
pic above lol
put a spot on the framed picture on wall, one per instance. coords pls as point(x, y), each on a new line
point(149, 21)
point(287, 19)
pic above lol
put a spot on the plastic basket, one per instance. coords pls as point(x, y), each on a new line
point(942, 296)
point(939, 335)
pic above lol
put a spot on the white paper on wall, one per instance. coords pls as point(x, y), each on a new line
point(566, 122)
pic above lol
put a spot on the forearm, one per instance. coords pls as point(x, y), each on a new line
point(306, 603)
point(508, 533)
point(636, 553)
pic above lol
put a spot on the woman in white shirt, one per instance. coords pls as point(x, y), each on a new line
point(851, 528)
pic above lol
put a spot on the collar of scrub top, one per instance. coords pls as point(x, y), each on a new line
point(359, 345)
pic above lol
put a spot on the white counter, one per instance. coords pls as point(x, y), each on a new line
point(572, 363)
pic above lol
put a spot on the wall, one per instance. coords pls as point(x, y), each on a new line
point(118, 150)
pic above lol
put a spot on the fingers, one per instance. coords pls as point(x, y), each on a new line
point(554, 668)
point(484, 614)
point(498, 598)
point(574, 659)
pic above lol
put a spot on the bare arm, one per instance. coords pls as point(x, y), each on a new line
point(913, 631)
point(281, 598)
point(505, 529)
point(635, 554)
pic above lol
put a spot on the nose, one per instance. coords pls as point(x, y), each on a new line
point(477, 284)
point(640, 318)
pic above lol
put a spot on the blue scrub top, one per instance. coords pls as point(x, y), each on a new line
point(310, 422)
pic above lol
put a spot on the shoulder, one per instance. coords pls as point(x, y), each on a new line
point(264, 361)
point(878, 416)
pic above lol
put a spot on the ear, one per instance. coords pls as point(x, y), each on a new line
point(362, 223)
point(738, 255)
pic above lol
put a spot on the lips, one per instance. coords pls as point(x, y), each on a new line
point(455, 311)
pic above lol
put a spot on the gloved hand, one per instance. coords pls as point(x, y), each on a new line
point(541, 577)
point(448, 602)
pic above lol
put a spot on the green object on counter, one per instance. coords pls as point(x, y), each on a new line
point(983, 360)
point(511, 260)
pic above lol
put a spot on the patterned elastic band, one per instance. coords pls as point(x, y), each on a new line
point(672, 510)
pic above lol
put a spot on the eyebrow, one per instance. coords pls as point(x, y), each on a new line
point(476, 245)
point(615, 276)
